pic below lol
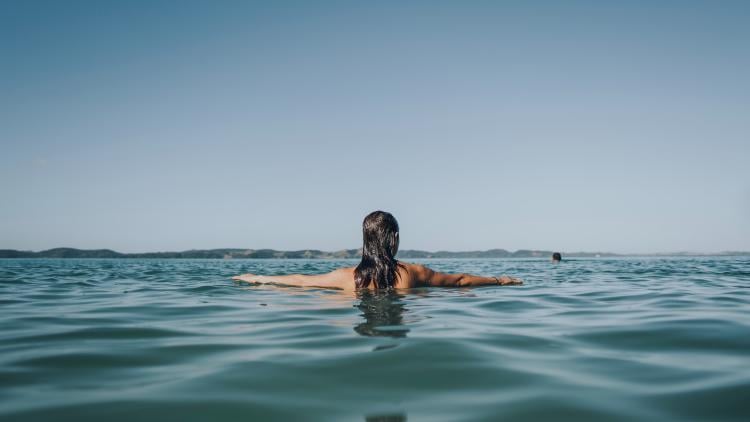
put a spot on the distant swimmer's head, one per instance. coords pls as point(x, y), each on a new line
point(556, 257)
point(379, 247)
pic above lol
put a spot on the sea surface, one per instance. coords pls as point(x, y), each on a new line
point(177, 340)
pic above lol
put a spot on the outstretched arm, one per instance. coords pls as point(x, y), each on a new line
point(338, 279)
point(428, 277)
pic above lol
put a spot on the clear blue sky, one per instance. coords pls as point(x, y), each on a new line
point(145, 126)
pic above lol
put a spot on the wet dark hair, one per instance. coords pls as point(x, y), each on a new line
point(379, 247)
point(556, 256)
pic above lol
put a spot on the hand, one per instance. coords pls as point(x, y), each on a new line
point(509, 281)
point(249, 278)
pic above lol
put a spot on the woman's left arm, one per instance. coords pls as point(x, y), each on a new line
point(428, 277)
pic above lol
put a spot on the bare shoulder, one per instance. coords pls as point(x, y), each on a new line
point(346, 272)
point(413, 275)
point(344, 277)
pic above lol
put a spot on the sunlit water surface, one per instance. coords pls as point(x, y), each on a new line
point(589, 339)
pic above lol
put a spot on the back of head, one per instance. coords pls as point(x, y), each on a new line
point(379, 247)
point(556, 257)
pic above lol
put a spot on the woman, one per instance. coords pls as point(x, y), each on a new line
point(379, 268)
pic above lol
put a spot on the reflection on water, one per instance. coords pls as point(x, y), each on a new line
point(383, 312)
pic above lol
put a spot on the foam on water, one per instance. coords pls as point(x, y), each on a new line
point(636, 338)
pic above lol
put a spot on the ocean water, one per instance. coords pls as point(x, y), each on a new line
point(588, 339)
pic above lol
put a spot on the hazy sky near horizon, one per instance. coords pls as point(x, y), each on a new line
point(583, 125)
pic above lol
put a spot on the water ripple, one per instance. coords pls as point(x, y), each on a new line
point(590, 339)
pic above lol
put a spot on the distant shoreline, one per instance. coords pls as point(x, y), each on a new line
point(317, 254)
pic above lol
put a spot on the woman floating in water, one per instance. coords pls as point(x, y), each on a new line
point(379, 268)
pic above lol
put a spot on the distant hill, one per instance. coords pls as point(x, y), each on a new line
point(197, 253)
point(307, 254)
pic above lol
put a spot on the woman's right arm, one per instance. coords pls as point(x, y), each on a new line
point(338, 279)
point(427, 277)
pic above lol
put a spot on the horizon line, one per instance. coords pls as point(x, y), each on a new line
point(667, 253)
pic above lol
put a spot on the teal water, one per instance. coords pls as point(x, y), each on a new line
point(590, 339)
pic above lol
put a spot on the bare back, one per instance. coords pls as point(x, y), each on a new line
point(409, 276)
